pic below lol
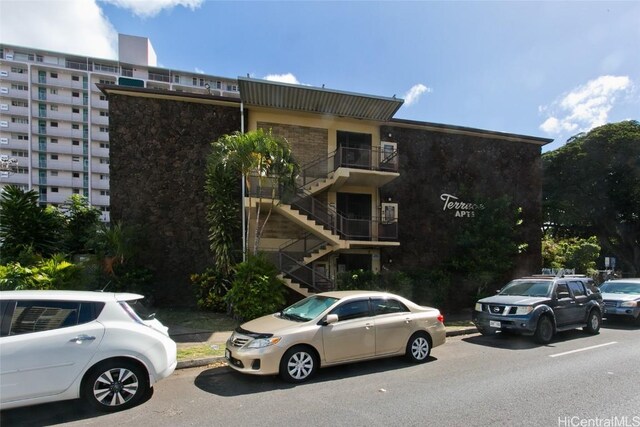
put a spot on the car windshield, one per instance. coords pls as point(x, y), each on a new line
point(308, 308)
point(528, 288)
point(620, 288)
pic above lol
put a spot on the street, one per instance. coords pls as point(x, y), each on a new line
point(471, 380)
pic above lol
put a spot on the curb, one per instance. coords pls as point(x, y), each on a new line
point(197, 363)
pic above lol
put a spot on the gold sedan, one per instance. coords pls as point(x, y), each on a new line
point(332, 328)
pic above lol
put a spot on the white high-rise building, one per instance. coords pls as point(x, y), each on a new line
point(54, 121)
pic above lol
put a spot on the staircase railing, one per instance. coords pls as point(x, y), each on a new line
point(303, 274)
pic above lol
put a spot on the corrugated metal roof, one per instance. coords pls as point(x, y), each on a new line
point(266, 93)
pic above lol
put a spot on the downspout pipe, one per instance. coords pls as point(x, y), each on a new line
point(244, 213)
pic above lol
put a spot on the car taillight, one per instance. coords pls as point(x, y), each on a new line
point(440, 318)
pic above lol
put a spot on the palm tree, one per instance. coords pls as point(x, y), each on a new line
point(260, 157)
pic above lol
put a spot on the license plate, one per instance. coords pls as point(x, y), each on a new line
point(227, 354)
point(494, 324)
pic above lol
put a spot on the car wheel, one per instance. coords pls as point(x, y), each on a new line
point(593, 322)
point(418, 348)
point(544, 330)
point(115, 385)
point(298, 364)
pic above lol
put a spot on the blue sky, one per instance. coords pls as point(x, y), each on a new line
point(548, 69)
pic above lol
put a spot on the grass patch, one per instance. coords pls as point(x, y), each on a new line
point(200, 351)
point(196, 319)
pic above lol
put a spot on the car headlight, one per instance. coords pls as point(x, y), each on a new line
point(263, 342)
point(629, 304)
point(524, 310)
point(478, 306)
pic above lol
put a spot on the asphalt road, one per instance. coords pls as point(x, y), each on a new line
point(577, 380)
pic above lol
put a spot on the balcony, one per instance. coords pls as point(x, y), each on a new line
point(365, 167)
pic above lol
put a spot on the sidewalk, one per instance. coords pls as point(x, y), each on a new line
point(187, 337)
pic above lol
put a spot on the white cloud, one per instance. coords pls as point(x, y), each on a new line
point(70, 26)
point(414, 94)
point(149, 8)
point(586, 106)
point(198, 70)
point(283, 78)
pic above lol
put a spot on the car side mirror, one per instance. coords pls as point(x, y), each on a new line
point(330, 319)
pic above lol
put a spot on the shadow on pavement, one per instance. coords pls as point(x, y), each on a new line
point(513, 341)
point(226, 382)
point(620, 323)
point(54, 413)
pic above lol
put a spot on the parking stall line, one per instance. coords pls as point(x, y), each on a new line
point(583, 349)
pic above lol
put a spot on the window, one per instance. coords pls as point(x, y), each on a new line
point(54, 140)
point(39, 316)
point(54, 124)
point(19, 153)
point(75, 158)
point(21, 137)
point(19, 86)
point(577, 288)
point(22, 120)
point(127, 72)
point(104, 177)
point(75, 110)
point(54, 157)
point(104, 145)
point(18, 70)
point(107, 82)
point(386, 306)
point(54, 173)
point(53, 75)
point(104, 208)
point(103, 97)
point(352, 310)
point(104, 129)
point(75, 94)
point(76, 191)
point(104, 113)
point(104, 161)
point(75, 126)
point(75, 142)
point(53, 91)
point(76, 174)
point(75, 78)
point(53, 107)
point(18, 103)
point(54, 189)
point(104, 192)
point(562, 291)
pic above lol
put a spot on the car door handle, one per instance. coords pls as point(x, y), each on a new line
point(407, 320)
point(80, 338)
point(368, 325)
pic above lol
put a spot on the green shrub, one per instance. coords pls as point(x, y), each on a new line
point(256, 290)
point(210, 287)
point(47, 274)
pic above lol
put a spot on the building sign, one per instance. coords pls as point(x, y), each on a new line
point(458, 208)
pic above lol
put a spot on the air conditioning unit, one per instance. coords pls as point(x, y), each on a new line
point(4, 124)
point(4, 140)
point(4, 107)
point(9, 56)
point(4, 90)
point(3, 73)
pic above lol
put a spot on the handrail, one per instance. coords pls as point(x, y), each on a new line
point(303, 274)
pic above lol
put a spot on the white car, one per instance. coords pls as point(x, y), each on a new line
point(59, 345)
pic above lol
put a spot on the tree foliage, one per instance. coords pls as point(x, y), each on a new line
point(591, 187)
point(25, 226)
point(82, 221)
point(263, 160)
point(570, 253)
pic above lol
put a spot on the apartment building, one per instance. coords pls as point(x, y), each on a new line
point(374, 192)
point(54, 121)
